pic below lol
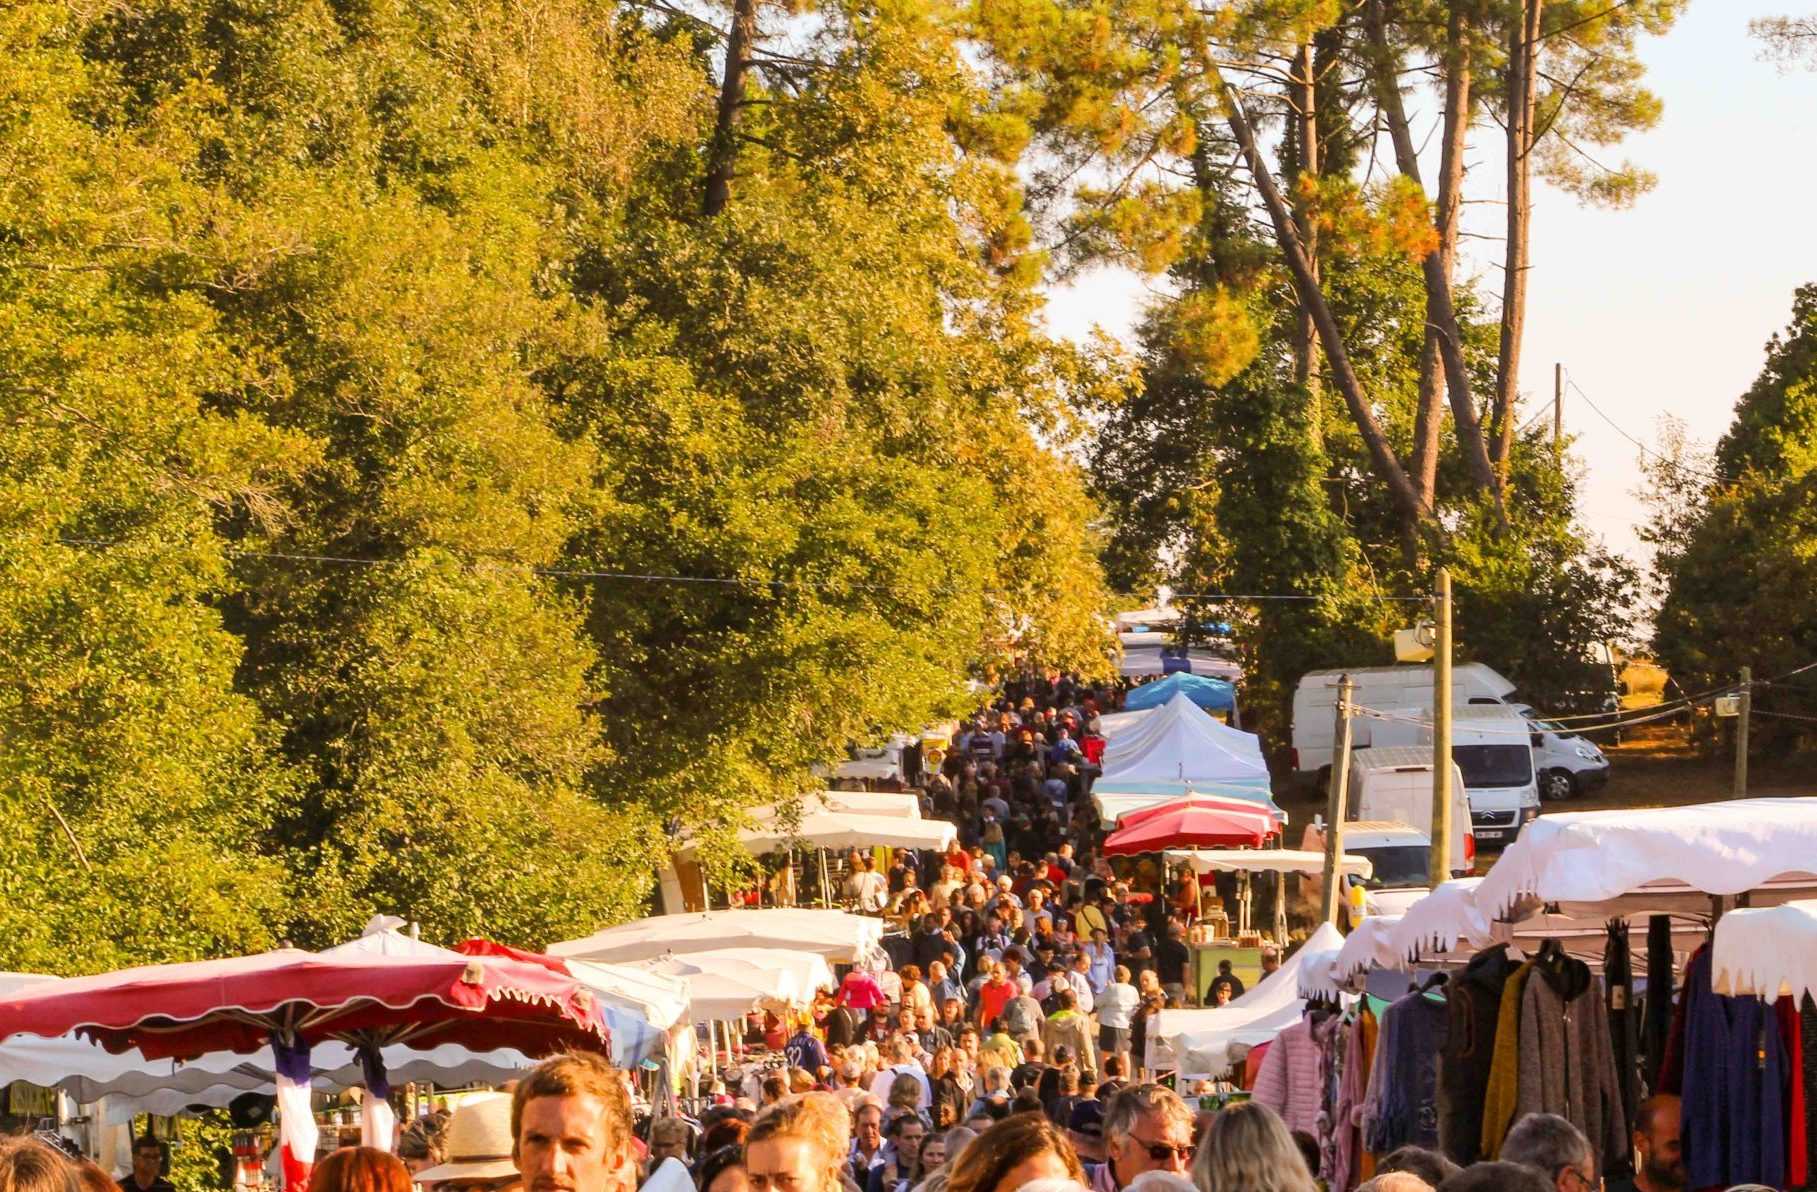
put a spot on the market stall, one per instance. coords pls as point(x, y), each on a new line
point(1181, 743)
point(840, 937)
point(1113, 799)
point(1282, 863)
point(1197, 1044)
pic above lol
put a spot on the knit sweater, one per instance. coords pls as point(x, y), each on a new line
point(1472, 1013)
point(1566, 1064)
point(1503, 1089)
point(1289, 1080)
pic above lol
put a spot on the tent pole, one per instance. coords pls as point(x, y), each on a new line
point(1280, 909)
point(826, 895)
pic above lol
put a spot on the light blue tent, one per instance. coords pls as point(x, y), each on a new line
point(1211, 694)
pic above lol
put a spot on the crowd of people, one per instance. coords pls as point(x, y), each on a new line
point(1001, 1050)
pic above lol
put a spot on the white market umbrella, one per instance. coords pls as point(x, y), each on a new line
point(727, 983)
point(840, 937)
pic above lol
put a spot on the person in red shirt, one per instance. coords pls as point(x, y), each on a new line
point(993, 995)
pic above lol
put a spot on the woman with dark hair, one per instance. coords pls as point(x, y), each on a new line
point(1017, 1150)
point(723, 1170)
point(360, 1169)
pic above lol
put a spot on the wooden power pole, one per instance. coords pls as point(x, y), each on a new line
point(1337, 803)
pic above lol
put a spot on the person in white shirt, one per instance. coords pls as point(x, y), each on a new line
point(1078, 976)
point(902, 1061)
point(1117, 1007)
point(1103, 961)
point(867, 888)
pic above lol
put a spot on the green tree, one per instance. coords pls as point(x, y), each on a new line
point(1737, 586)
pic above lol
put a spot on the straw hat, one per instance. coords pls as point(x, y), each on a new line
point(478, 1142)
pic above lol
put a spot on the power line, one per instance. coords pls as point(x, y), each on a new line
point(577, 573)
point(1645, 450)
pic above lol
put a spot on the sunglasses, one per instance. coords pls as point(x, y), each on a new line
point(1162, 1152)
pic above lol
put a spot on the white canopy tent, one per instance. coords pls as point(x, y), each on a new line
point(843, 830)
point(1141, 661)
point(1183, 743)
point(840, 937)
point(1199, 1044)
point(903, 805)
point(1265, 860)
point(1767, 952)
point(728, 983)
point(1611, 863)
point(1115, 800)
point(1368, 946)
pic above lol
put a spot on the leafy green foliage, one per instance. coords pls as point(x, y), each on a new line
point(345, 344)
point(1739, 579)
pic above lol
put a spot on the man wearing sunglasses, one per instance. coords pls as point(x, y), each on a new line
point(1555, 1148)
point(1146, 1128)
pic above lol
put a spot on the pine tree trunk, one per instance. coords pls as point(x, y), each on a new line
point(1523, 79)
point(722, 159)
point(1306, 166)
point(1312, 298)
point(1444, 340)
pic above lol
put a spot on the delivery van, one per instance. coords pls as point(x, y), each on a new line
point(1377, 687)
point(1394, 785)
point(1492, 747)
point(1565, 763)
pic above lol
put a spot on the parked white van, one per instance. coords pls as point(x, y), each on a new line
point(1381, 688)
point(1567, 764)
point(1493, 755)
point(1394, 785)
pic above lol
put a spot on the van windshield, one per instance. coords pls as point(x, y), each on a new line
point(1397, 867)
point(1494, 765)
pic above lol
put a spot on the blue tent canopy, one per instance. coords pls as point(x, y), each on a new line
point(1211, 694)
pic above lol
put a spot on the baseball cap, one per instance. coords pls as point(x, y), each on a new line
point(1087, 1118)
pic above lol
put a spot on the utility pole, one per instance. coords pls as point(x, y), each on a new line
point(1440, 867)
point(1741, 732)
point(1558, 403)
point(1336, 806)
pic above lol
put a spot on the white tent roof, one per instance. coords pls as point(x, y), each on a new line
point(1768, 952)
point(845, 829)
point(731, 982)
point(840, 937)
point(1624, 861)
point(1265, 860)
point(1201, 1040)
point(1143, 660)
point(1182, 742)
point(904, 805)
point(1113, 726)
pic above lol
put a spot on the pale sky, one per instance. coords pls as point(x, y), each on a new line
point(1661, 308)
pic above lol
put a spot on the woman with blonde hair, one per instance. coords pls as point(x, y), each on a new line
point(1248, 1148)
point(799, 1145)
point(27, 1165)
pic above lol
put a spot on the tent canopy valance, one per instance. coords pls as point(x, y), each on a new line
point(728, 983)
point(1768, 952)
point(840, 937)
point(1661, 859)
point(1266, 860)
point(1113, 799)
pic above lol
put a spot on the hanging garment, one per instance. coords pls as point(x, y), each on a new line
point(1672, 1059)
point(1359, 1057)
point(1401, 1107)
point(1503, 1089)
point(1288, 1082)
point(1565, 1064)
point(1624, 1035)
point(1660, 977)
point(1791, 1033)
point(1473, 1004)
point(1734, 1086)
point(1329, 1033)
point(1807, 1030)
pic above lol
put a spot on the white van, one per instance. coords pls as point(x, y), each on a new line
point(1491, 745)
point(1378, 687)
point(1394, 785)
point(1567, 764)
